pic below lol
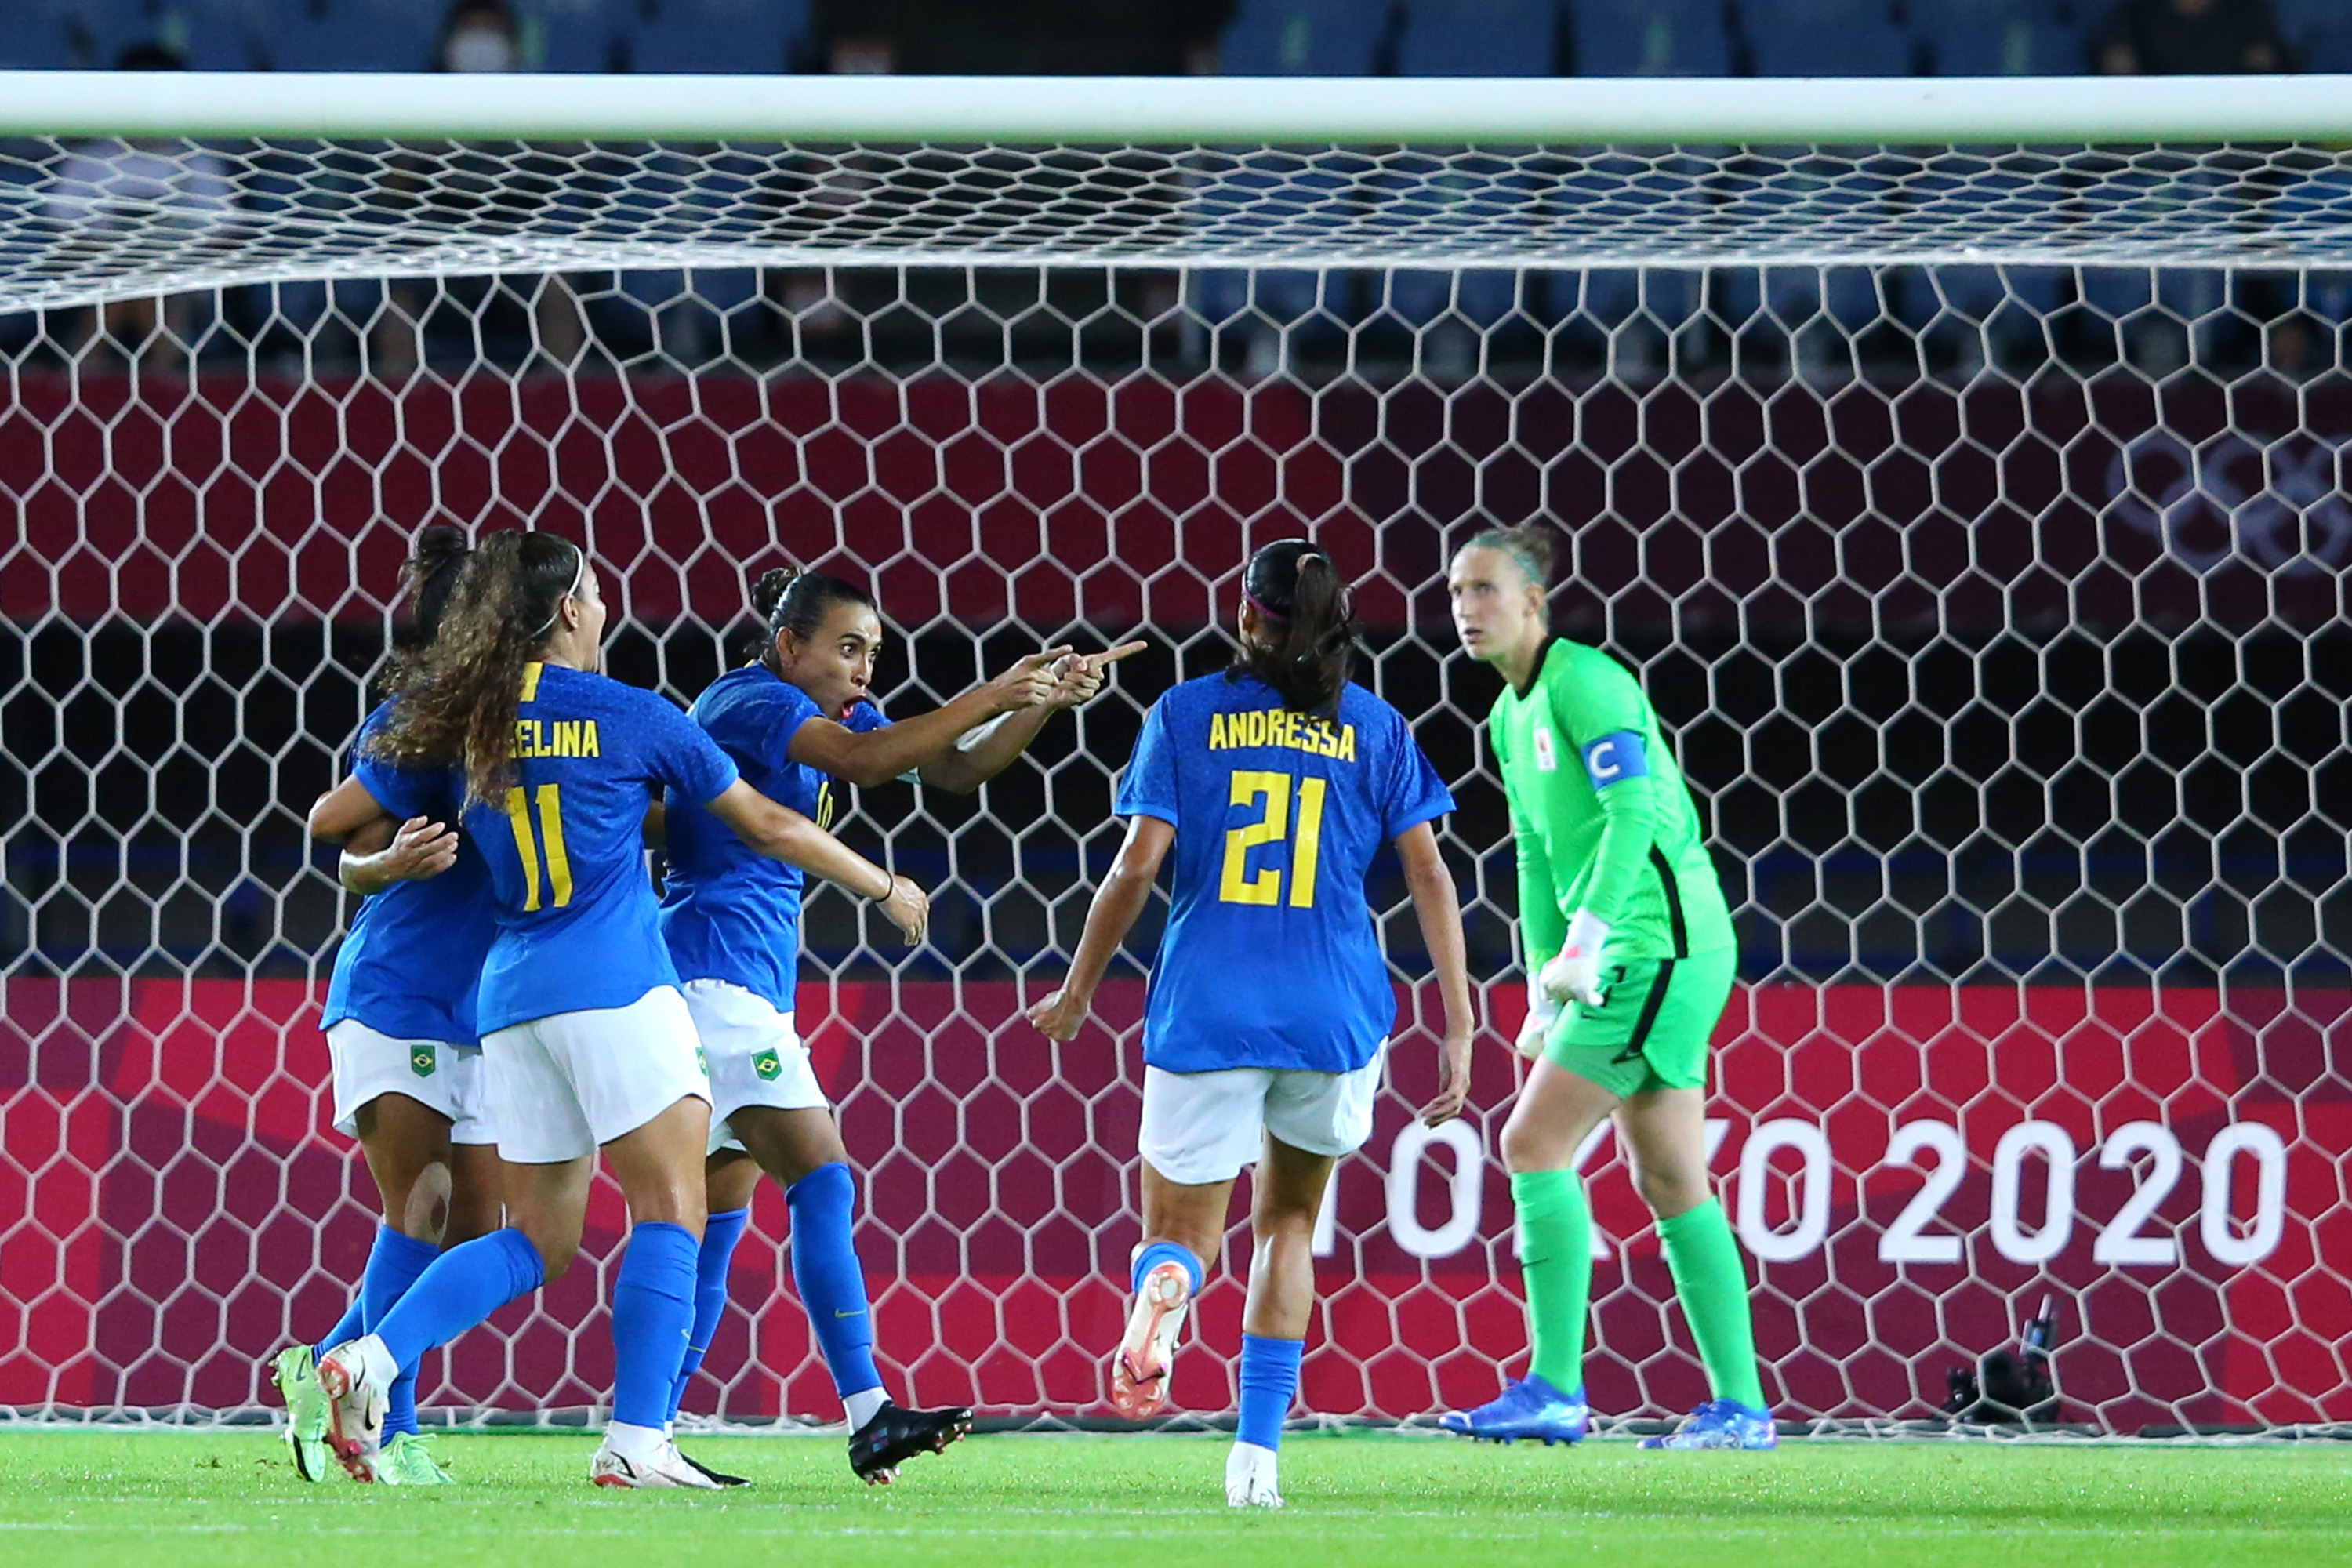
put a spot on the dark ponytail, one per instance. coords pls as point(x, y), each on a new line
point(1309, 644)
point(789, 599)
point(498, 619)
point(428, 578)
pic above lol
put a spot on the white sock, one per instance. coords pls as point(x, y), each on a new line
point(381, 1370)
point(636, 1443)
point(863, 1405)
point(1245, 1463)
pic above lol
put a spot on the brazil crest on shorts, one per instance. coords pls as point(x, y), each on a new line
point(1270, 957)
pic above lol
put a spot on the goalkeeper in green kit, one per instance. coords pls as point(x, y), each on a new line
point(1630, 957)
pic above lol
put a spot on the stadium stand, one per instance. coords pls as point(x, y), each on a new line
point(1265, 38)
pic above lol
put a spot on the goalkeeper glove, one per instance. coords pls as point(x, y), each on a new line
point(1542, 1014)
point(1574, 975)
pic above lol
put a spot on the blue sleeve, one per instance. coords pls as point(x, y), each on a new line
point(864, 719)
point(1148, 788)
point(402, 791)
point(1416, 794)
point(778, 717)
point(682, 754)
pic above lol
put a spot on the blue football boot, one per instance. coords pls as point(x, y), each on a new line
point(1530, 1408)
point(1721, 1424)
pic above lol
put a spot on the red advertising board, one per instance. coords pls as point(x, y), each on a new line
point(1911, 1169)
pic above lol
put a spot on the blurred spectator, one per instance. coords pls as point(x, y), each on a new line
point(479, 35)
point(140, 205)
point(2189, 37)
point(1022, 37)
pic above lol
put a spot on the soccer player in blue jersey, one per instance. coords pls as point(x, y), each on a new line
point(406, 1065)
point(585, 1037)
point(798, 722)
point(1276, 783)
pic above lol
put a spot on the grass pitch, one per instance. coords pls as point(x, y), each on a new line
point(1144, 1502)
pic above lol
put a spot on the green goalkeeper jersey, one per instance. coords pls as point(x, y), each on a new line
point(1599, 814)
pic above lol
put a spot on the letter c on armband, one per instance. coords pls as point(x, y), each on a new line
point(1614, 758)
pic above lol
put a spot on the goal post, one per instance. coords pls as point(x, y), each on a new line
point(1960, 464)
point(1051, 111)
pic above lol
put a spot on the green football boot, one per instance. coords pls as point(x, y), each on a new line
point(407, 1461)
point(295, 1370)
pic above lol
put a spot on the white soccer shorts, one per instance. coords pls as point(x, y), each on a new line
point(754, 1055)
point(1204, 1127)
point(565, 1085)
point(370, 1064)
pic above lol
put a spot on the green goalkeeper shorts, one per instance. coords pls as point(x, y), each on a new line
point(1654, 1030)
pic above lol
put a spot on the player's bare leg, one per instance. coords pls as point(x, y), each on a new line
point(548, 1205)
point(477, 1184)
point(431, 1194)
point(1664, 1134)
point(1555, 1112)
point(802, 1149)
point(1289, 1192)
point(1176, 1215)
point(659, 1167)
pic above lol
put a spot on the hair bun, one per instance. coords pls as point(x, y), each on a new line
point(439, 544)
point(768, 591)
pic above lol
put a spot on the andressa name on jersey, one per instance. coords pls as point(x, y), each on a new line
point(555, 738)
point(1282, 727)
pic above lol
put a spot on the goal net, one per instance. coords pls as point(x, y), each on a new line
point(1961, 467)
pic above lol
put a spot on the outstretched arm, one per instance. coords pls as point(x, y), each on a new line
point(979, 755)
point(1118, 902)
point(877, 756)
point(783, 834)
point(1439, 909)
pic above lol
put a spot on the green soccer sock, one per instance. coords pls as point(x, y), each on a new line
point(1712, 1284)
point(1556, 1261)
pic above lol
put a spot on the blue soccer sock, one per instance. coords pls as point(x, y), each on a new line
point(826, 1273)
point(653, 1313)
point(394, 1263)
point(349, 1326)
point(719, 1234)
point(1269, 1383)
point(1160, 1252)
point(464, 1286)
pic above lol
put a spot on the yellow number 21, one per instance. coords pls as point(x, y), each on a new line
point(1250, 786)
point(559, 864)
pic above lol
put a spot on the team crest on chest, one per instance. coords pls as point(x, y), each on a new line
point(1547, 752)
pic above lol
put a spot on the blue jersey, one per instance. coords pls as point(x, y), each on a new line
point(1270, 959)
point(731, 913)
point(565, 846)
point(410, 963)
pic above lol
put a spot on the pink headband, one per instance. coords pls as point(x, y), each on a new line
point(1255, 603)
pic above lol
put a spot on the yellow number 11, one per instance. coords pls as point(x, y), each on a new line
point(1250, 785)
point(559, 864)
